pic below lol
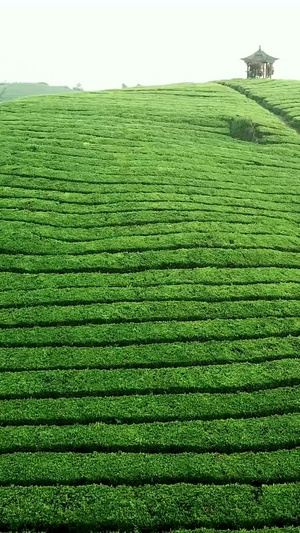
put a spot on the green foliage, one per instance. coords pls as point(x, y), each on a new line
point(119, 468)
point(150, 408)
point(149, 310)
point(220, 436)
point(281, 97)
point(140, 333)
point(149, 355)
point(245, 130)
point(243, 376)
point(287, 529)
point(149, 506)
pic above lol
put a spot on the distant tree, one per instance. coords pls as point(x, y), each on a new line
point(78, 87)
point(124, 86)
point(139, 85)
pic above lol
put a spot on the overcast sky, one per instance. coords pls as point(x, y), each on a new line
point(147, 42)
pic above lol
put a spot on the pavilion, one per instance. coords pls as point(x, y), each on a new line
point(260, 64)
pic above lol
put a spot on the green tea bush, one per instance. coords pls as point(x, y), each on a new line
point(245, 130)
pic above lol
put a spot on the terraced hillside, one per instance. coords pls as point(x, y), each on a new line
point(150, 304)
point(282, 97)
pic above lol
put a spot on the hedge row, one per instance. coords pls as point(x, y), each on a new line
point(157, 259)
point(281, 179)
point(229, 196)
point(213, 378)
point(149, 507)
point(195, 177)
point(183, 185)
point(254, 434)
point(49, 215)
point(127, 208)
point(284, 157)
point(187, 292)
point(286, 529)
point(150, 408)
point(208, 150)
point(149, 332)
point(209, 276)
point(137, 469)
point(285, 164)
point(148, 311)
point(193, 181)
point(100, 237)
point(77, 203)
point(150, 355)
point(79, 234)
point(44, 188)
point(33, 243)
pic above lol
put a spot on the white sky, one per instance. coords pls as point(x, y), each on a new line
point(103, 44)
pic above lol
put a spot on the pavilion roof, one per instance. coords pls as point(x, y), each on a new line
point(260, 57)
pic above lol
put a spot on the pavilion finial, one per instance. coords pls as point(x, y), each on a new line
point(259, 48)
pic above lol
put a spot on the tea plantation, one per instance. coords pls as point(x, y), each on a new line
point(150, 310)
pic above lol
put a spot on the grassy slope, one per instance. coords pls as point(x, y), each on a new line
point(282, 97)
point(149, 348)
point(11, 91)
